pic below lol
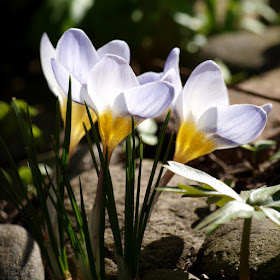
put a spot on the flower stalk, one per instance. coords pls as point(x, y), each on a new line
point(244, 272)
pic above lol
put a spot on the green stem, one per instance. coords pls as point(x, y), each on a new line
point(244, 272)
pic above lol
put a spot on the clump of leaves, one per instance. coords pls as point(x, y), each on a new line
point(257, 203)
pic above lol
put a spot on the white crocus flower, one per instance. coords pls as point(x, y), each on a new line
point(114, 93)
point(77, 56)
point(206, 121)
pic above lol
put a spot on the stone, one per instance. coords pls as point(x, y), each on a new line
point(244, 50)
point(20, 257)
point(167, 274)
point(169, 240)
point(219, 255)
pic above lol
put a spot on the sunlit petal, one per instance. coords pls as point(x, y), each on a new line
point(233, 125)
point(108, 78)
point(149, 77)
point(267, 107)
point(113, 129)
point(172, 62)
point(192, 143)
point(62, 76)
point(146, 101)
point(205, 88)
point(47, 52)
point(169, 77)
point(77, 54)
point(115, 47)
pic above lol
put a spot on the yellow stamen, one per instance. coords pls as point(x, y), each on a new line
point(79, 116)
point(191, 143)
point(113, 130)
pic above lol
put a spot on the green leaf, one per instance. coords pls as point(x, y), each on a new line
point(248, 147)
point(25, 175)
point(264, 144)
point(264, 196)
point(276, 156)
point(203, 178)
point(231, 211)
point(260, 145)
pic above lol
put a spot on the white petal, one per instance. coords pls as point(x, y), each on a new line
point(204, 89)
point(146, 101)
point(47, 52)
point(234, 125)
point(149, 77)
point(77, 54)
point(169, 77)
point(79, 93)
point(172, 62)
point(267, 107)
point(115, 47)
point(108, 78)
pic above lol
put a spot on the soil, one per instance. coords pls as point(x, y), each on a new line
point(170, 241)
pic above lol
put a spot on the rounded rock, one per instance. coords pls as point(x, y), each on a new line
point(20, 256)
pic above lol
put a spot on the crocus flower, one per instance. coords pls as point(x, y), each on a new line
point(206, 121)
point(114, 93)
point(77, 56)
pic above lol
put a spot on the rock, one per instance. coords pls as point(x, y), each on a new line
point(167, 274)
point(20, 256)
point(169, 241)
point(244, 50)
point(219, 255)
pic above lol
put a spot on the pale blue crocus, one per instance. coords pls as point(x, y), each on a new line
point(114, 93)
point(76, 54)
point(206, 121)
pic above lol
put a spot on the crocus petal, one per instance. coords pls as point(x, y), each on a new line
point(77, 54)
point(79, 117)
point(204, 89)
point(232, 126)
point(146, 101)
point(108, 78)
point(172, 62)
point(62, 76)
point(169, 76)
point(149, 77)
point(115, 47)
point(267, 107)
point(47, 52)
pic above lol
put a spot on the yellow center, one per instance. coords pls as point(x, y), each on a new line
point(78, 117)
point(191, 143)
point(113, 130)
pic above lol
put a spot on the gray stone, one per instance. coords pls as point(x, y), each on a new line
point(20, 257)
point(245, 50)
point(219, 255)
point(167, 274)
point(169, 241)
